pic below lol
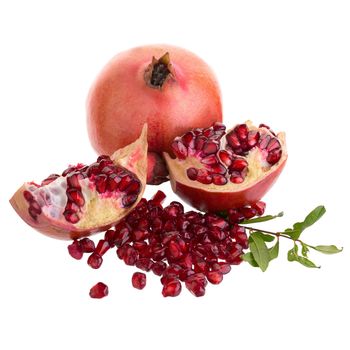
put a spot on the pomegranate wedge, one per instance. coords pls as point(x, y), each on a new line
point(216, 170)
point(86, 199)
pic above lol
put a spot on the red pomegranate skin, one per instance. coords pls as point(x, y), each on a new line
point(120, 101)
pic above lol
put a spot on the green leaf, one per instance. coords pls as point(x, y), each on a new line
point(248, 257)
point(328, 249)
point(274, 251)
point(310, 219)
point(293, 253)
point(262, 218)
point(259, 250)
point(265, 237)
point(293, 256)
point(314, 216)
point(304, 249)
point(306, 262)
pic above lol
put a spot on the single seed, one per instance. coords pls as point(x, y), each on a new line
point(99, 291)
point(138, 280)
point(209, 160)
point(179, 149)
point(192, 173)
point(219, 180)
point(75, 196)
point(210, 147)
point(71, 216)
point(101, 183)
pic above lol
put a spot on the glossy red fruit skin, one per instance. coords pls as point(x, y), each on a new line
point(204, 200)
point(120, 102)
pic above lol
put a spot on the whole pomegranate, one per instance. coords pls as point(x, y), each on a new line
point(167, 87)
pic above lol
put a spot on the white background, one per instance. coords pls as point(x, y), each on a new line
point(285, 63)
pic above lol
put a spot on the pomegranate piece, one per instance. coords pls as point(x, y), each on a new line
point(221, 170)
point(99, 291)
point(139, 280)
point(86, 199)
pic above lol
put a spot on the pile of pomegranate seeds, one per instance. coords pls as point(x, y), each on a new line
point(228, 164)
point(190, 247)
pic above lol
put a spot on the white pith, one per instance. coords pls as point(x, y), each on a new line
point(257, 165)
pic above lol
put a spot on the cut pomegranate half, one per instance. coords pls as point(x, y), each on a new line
point(216, 170)
point(86, 199)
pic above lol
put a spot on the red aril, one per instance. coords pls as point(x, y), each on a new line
point(99, 291)
point(83, 200)
point(224, 170)
point(167, 87)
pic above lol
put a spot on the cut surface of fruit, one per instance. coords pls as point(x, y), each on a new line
point(217, 170)
point(86, 199)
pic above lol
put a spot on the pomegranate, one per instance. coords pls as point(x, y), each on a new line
point(215, 170)
point(168, 87)
point(86, 199)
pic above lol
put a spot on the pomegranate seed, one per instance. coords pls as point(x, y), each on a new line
point(87, 245)
point(210, 147)
point(264, 141)
point(199, 142)
point(225, 157)
point(273, 144)
point(209, 160)
point(218, 169)
point(238, 164)
point(259, 207)
point(73, 180)
point(235, 216)
point(248, 212)
point(75, 196)
point(192, 173)
point(236, 179)
point(101, 183)
point(158, 198)
point(49, 179)
point(99, 290)
point(158, 268)
point(28, 196)
point(129, 200)
point(144, 264)
point(71, 216)
point(179, 149)
point(253, 138)
point(138, 280)
point(112, 182)
point(75, 250)
point(223, 267)
point(242, 131)
point(35, 207)
point(188, 139)
point(214, 277)
point(95, 261)
point(103, 157)
point(110, 237)
point(125, 182)
point(232, 140)
point(130, 256)
point(102, 247)
point(204, 177)
point(274, 156)
point(219, 180)
point(172, 289)
point(208, 132)
point(196, 284)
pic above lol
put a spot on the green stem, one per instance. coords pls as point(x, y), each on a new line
point(277, 234)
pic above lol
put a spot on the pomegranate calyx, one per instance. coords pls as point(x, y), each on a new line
point(159, 71)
